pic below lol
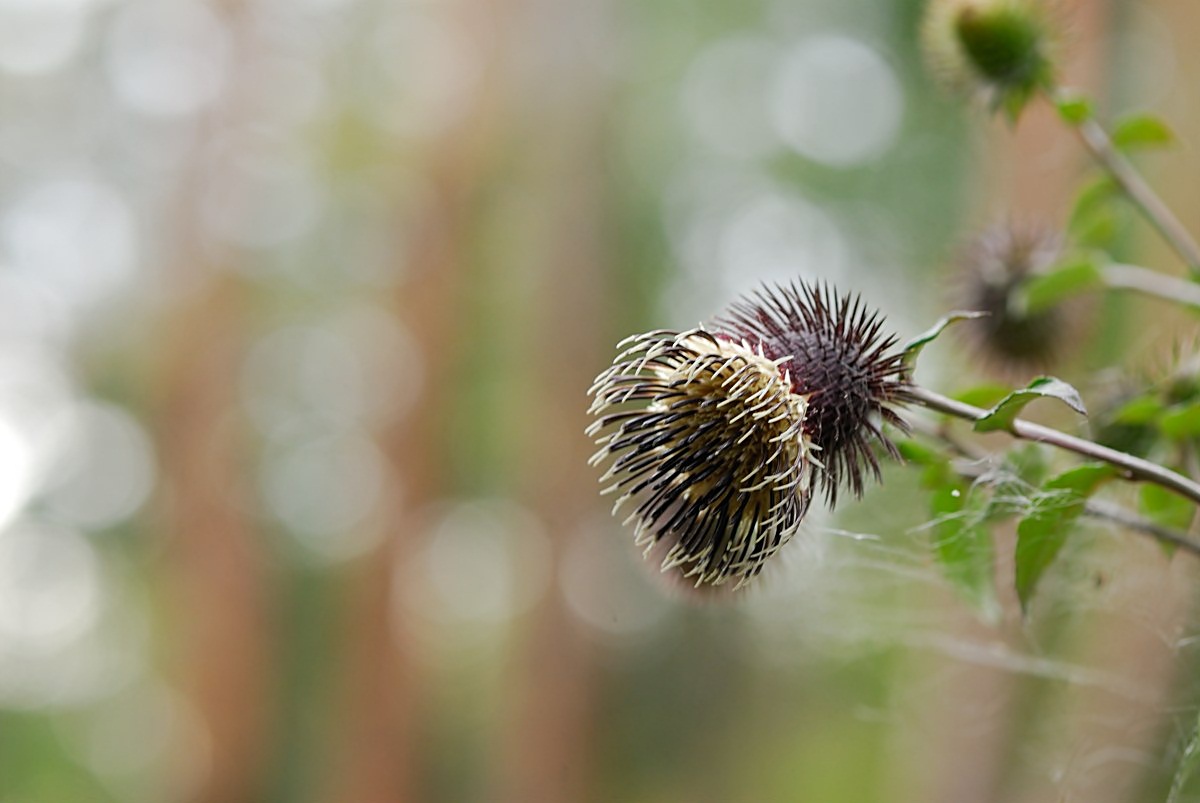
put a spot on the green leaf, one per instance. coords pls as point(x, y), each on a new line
point(1001, 416)
point(1074, 108)
point(962, 545)
point(984, 395)
point(1139, 131)
point(1028, 461)
point(1163, 507)
point(1189, 762)
point(1042, 533)
point(937, 470)
point(1083, 480)
point(1071, 278)
point(1096, 194)
point(913, 347)
point(1093, 219)
point(1141, 410)
point(1180, 422)
point(1012, 102)
point(915, 452)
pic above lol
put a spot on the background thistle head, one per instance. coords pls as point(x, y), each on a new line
point(994, 268)
point(1001, 50)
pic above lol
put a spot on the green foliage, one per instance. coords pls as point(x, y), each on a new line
point(912, 349)
point(1142, 131)
point(985, 395)
point(1028, 463)
point(1165, 508)
point(1074, 108)
point(961, 537)
point(1140, 410)
point(1177, 422)
point(1093, 221)
point(1044, 530)
point(1001, 416)
point(1079, 274)
point(962, 543)
point(1181, 421)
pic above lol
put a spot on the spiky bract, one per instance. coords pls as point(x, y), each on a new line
point(707, 442)
point(840, 361)
point(995, 267)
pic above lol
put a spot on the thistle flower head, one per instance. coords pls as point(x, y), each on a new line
point(840, 361)
point(718, 437)
point(707, 443)
point(1000, 49)
point(994, 269)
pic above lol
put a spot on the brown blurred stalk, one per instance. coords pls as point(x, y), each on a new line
point(547, 741)
point(214, 562)
point(378, 725)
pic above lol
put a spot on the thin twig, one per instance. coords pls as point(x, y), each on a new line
point(1132, 468)
point(1099, 508)
point(1096, 139)
point(1152, 283)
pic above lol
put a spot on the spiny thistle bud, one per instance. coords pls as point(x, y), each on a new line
point(719, 436)
point(994, 269)
point(1001, 49)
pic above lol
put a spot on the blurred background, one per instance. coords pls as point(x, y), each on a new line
point(299, 301)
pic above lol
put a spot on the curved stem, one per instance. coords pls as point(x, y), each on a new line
point(1152, 283)
point(1096, 139)
point(1131, 467)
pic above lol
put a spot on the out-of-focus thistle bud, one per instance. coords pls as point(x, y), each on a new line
point(1002, 50)
point(718, 437)
point(994, 269)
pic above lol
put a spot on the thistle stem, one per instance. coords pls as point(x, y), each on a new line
point(1096, 140)
point(1132, 468)
point(1152, 283)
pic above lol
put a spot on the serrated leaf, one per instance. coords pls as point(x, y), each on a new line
point(1074, 108)
point(1142, 410)
point(1042, 533)
point(1072, 278)
point(1139, 131)
point(962, 544)
point(1189, 762)
point(1182, 421)
point(913, 347)
point(1001, 416)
